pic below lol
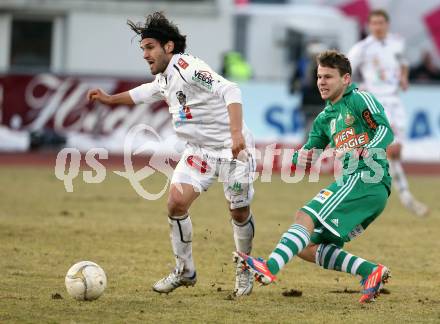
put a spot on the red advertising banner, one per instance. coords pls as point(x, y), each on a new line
point(59, 102)
point(358, 9)
point(432, 21)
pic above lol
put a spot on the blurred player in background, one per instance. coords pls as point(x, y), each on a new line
point(304, 82)
point(355, 124)
point(206, 112)
point(379, 61)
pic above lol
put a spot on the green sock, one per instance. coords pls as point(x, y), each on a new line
point(331, 257)
point(292, 242)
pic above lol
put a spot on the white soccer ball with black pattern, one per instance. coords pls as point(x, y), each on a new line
point(85, 280)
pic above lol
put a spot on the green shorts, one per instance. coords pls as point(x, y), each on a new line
point(343, 212)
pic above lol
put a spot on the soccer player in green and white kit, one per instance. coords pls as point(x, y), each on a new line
point(355, 125)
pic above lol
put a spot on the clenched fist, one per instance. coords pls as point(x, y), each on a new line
point(99, 95)
point(305, 157)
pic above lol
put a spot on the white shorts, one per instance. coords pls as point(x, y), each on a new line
point(396, 115)
point(200, 167)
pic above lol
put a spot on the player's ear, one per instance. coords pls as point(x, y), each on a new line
point(169, 47)
point(346, 79)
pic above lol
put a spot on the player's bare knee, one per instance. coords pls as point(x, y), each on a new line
point(176, 208)
point(177, 204)
point(240, 214)
point(305, 220)
point(301, 216)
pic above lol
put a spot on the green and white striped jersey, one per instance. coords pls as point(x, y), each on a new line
point(357, 120)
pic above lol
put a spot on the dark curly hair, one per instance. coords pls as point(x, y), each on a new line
point(157, 26)
point(335, 60)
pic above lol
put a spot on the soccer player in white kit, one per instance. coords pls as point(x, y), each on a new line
point(379, 61)
point(206, 112)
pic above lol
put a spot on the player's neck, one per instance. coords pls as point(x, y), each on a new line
point(339, 96)
point(380, 38)
point(168, 66)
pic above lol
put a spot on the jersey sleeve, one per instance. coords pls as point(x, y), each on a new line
point(374, 118)
point(146, 93)
point(317, 137)
point(400, 51)
point(355, 58)
point(198, 74)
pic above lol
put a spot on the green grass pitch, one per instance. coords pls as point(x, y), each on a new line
point(44, 230)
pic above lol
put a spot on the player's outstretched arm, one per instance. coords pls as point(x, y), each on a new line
point(100, 95)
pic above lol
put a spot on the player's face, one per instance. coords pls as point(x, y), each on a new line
point(378, 26)
point(155, 55)
point(331, 84)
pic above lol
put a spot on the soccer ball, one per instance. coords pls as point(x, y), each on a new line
point(85, 280)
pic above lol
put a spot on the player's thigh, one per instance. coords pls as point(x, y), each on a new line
point(399, 121)
point(342, 212)
point(396, 114)
point(323, 236)
point(237, 178)
point(180, 197)
point(361, 209)
point(194, 169)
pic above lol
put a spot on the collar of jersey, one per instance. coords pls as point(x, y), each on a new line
point(382, 41)
point(349, 90)
point(170, 67)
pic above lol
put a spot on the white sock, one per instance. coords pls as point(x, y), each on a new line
point(399, 181)
point(244, 234)
point(181, 241)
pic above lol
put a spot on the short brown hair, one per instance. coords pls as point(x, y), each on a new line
point(335, 60)
point(379, 12)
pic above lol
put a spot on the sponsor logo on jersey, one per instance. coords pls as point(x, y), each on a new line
point(182, 63)
point(181, 97)
point(358, 230)
point(236, 188)
point(204, 78)
point(348, 139)
point(349, 119)
point(366, 114)
point(335, 221)
point(184, 111)
point(197, 163)
point(323, 195)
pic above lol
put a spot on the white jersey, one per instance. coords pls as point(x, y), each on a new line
point(197, 98)
point(379, 63)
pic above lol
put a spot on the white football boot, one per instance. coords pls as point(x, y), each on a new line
point(244, 281)
point(416, 207)
point(174, 280)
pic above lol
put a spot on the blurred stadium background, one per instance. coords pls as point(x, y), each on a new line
point(53, 51)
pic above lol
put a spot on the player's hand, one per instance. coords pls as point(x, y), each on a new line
point(238, 144)
point(359, 152)
point(99, 95)
point(304, 157)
